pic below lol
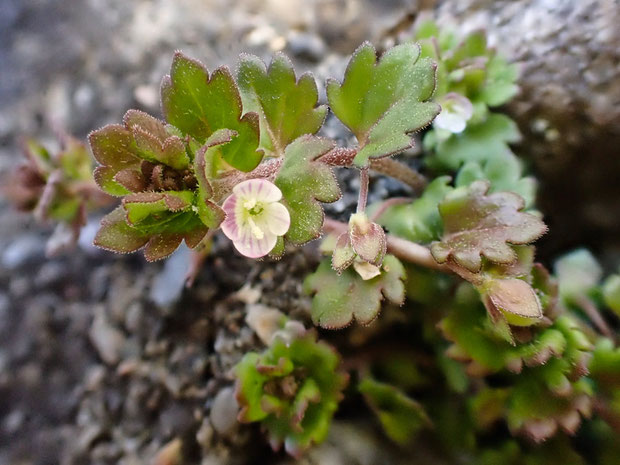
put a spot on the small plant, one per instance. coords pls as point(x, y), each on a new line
point(57, 186)
point(293, 389)
point(486, 335)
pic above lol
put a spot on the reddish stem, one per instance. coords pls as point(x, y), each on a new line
point(363, 196)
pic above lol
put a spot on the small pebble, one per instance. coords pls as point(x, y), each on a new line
point(224, 411)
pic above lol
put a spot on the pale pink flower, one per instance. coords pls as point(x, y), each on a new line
point(254, 217)
point(456, 110)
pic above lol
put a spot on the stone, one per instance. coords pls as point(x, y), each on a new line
point(27, 248)
point(107, 339)
point(224, 411)
point(168, 285)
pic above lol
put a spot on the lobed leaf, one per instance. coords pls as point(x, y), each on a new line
point(338, 300)
point(383, 102)
point(199, 104)
point(477, 224)
point(287, 106)
point(305, 181)
point(122, 149)
point(209, 212)
point(159, 220)
point(117, 236)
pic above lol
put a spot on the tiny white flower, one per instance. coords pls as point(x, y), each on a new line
point(455, 112)
point(254, 217)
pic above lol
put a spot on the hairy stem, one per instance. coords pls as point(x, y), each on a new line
point(401, 248)
point(343, 157)
point(399, 171)
point(363, 196)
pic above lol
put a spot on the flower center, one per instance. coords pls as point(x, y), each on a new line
point(254, 208)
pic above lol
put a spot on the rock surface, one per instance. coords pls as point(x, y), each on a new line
point(569, 107)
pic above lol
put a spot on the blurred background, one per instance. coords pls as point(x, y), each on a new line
point(76, 366)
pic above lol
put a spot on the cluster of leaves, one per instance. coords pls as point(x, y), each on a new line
point(56, 186)
point(468, 68)
point(174, 174)
point(537, 363)
point(293, 388)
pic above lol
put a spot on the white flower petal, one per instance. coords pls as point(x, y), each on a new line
point(450, 122)
point(260, 190)
point(230, 225)
point(252, 247)
point(456, 110)
point(277, 218)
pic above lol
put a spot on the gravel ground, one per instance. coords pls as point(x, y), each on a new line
point(108, 360)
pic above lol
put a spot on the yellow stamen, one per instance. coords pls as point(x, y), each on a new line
point(258, 232)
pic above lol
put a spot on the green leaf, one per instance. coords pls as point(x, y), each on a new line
point(344, 254)
point(418, 221)
point(199, 105)
point(153, 142)
point(500, 85)
point(513, 300)
point(165, 219)
point(339, 300)
point(505, 172)
point(477, 224)
point(305, 181)
point(75, 161)
point(209, 212)
point(426, 29)
point(383, 102)
point(479, 142)
point(287, 107)
point(467, 327)
point(121, 151)
point(605, 364)
point(473, 45)
point(488, 406)
point(113, 148)
point(400, 416)
point(144, 204)
point(278, 250)
point(611, 292)
point(117, 236)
